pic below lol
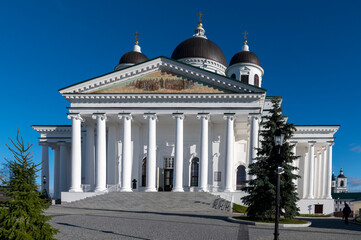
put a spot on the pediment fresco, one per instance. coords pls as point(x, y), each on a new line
point(161, 82)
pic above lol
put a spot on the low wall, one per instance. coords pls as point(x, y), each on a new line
point(67, 197)
point(307, 206)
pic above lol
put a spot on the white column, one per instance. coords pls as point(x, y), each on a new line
point(44, 166)
point(229, 151)
point(178, 165)
point(311, 160)
point(75, 182)
point(294, 162)
point(203, 164)
point(324, 173)
point(315, 175)
point(63, 167)
point(151, 156)
point(319, 175)
point(329, 170)
point(127, 153)
point(90, 155)
point(101, 153)
point(253, 144)
point(305, 174)
point(56, 172)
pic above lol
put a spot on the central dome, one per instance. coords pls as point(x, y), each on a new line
point(199, 47)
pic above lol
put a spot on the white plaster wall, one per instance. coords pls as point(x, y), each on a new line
point(246, 69)
point(307, 206)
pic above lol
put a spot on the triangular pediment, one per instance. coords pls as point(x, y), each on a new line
point(161, 82)
point(161, 75)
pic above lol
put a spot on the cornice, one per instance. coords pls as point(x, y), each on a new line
point(78, 97)
point(52, 129)
point(316, 129)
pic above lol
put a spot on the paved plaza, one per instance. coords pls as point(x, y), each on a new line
point(82, 223)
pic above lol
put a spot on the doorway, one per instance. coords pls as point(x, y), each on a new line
point(168, 173)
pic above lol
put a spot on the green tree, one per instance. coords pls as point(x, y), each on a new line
point(261, 200)
point(22, 216)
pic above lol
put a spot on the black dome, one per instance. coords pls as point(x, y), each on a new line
point(199, 47)
point(245, 57)
point(133, 57)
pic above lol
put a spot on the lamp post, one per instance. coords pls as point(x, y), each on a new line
point(44, 188)
point(278, 139)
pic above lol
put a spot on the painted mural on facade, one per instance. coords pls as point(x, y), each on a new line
point(160, 82)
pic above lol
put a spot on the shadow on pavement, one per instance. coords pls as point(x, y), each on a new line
point(332, 223)
point(102, 231)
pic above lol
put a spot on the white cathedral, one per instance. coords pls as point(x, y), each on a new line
point(186, 123)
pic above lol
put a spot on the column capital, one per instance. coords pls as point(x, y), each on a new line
point(293, 142)
point(61, 143)
point(178, 115)
point(101, 116)
point(75, 116)
point(330, 143)
point(311, 143)
point(127, 116)
point(153, 116)
point(256, 116)
point(43, 144)
point(203, 115)
point(230, 116)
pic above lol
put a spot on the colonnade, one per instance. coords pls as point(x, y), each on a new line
point(318, 172)
point(96, 153)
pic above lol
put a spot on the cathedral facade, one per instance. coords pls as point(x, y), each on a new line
point(186, 123)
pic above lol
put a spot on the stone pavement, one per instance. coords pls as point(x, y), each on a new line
point(168, 216)
point(119, 224)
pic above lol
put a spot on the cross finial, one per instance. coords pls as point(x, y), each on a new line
point(200, 19)
point(245, 37)
point(136, 38)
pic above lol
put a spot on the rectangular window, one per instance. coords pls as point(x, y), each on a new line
point(244, 78)
point(217, 176)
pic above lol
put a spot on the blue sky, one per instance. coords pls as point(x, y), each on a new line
point(310, 51)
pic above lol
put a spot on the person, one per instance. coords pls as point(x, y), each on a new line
point(346, 212)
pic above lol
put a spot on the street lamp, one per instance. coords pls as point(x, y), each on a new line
point(278, 138)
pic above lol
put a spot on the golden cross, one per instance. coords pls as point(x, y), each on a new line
point(200, 16)
point(245, 34)
point(136, 37)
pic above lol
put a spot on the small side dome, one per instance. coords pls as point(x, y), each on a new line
point(132, 57)
point(341, 174)
point(245, 57)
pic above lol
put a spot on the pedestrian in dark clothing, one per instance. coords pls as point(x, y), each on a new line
point(346, 212)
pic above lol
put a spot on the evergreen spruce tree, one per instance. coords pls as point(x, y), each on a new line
point(22, 216)
point(261, 200)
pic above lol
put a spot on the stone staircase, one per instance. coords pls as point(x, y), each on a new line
point(163, 202)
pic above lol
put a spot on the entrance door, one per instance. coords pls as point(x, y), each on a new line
point(168, 179)
point(319, 208)
point(168, 173)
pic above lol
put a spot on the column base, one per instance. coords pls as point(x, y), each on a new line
point(202, 190)
point(75, 190)
point(150, 190)
point(309, 197)
point(100, 189)
point(177, 190)
point(228, 190)
point(126, 190)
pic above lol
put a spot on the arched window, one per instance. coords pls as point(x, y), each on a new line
point(256, 80)
point(194, 172)
point(233, 76)
point(244, 78)
point(241, 177)
point(144, 172)
point(342, 183)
